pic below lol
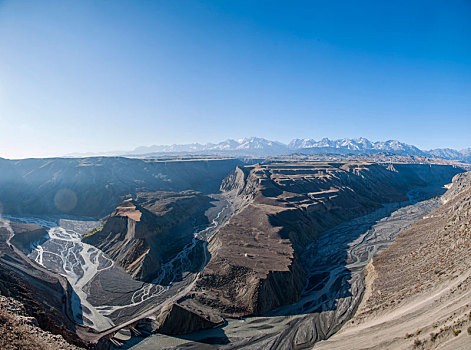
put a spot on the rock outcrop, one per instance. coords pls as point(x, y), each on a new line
point(143, 233)
point(27, 235)
point(181, 318)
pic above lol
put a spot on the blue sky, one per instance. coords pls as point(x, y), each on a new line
point(90, 76)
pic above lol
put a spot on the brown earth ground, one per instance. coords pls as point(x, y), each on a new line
point(19, 331)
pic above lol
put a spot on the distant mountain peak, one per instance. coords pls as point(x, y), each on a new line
point(262, 147)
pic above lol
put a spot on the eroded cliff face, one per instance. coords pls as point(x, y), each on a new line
point(144, 232)
point(181, 317)
point(27, 235)
point(279, 209)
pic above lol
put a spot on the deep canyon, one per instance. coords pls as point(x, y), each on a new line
point(213, 253)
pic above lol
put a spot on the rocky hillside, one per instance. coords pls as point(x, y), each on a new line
point(419, 290)
point(279, 209)
point(20, 331)
point(27, 235)
point(144, 232)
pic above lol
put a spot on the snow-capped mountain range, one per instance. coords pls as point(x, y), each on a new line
point(251, 145)
point(262, 147)
point(360, 144)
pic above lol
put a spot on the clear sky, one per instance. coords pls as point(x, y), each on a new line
point(89, 76)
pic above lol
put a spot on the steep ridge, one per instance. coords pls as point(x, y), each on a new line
point(280, 208)
point(143, 233)
point(418, 290)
